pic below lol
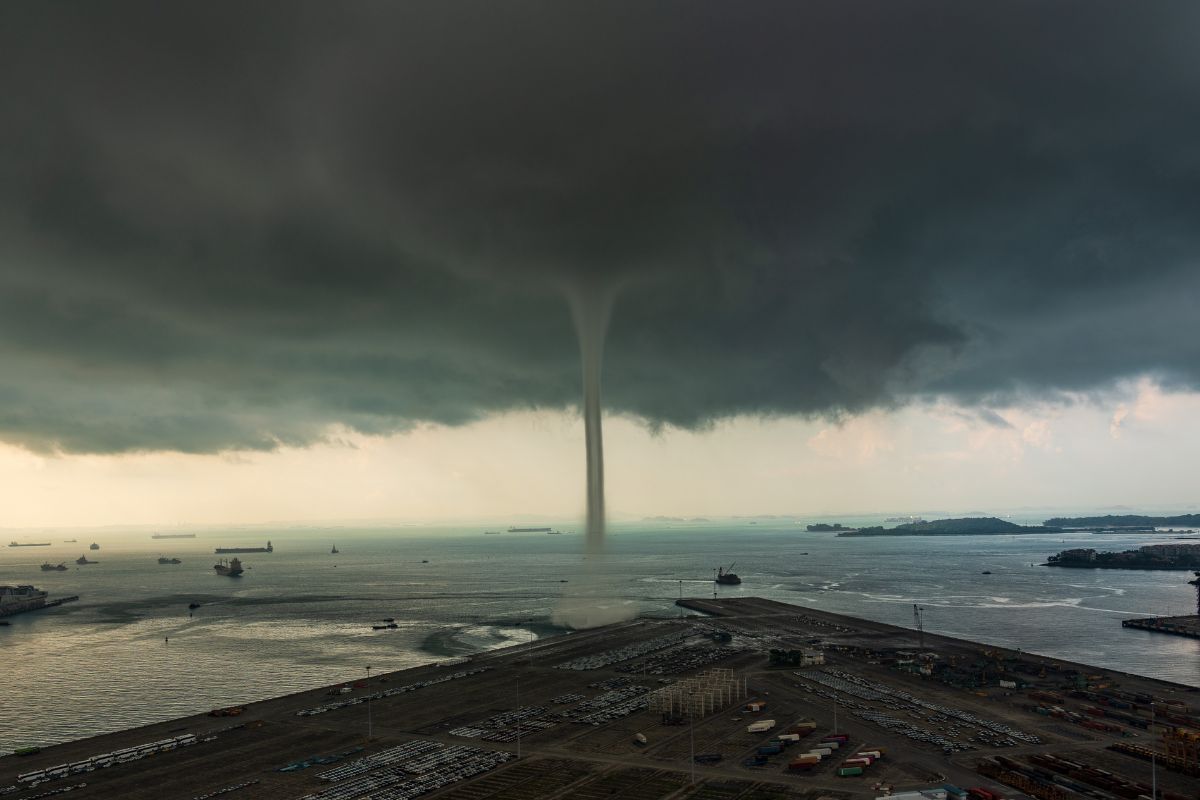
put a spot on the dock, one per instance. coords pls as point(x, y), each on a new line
point(1188, 626)
point(707, 706)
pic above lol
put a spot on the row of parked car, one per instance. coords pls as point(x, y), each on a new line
point(395, 690)
point(416, 774)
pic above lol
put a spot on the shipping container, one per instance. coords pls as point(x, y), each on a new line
point(846, 772)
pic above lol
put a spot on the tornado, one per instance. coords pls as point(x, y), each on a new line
point(592, 311)
point(588, 602)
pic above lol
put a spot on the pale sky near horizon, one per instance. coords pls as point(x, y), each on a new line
point(1084, 456)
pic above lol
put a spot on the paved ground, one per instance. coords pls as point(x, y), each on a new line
point(566, 758)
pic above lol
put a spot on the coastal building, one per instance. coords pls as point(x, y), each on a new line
point(1076, 554)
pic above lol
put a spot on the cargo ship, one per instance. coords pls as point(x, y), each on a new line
point(29, 544)
point(173, 536)
point(727, 577)
point(48, 567)
point(267, 549)
point(232, 567)
point(15, 599)
point(165, 560)
point(93, 546)
point(84, 560)
point(530, 530)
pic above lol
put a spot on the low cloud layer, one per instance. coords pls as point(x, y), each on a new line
point(229, 226)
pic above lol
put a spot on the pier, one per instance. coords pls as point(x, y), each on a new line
point(704, 707)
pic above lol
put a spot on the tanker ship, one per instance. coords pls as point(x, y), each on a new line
point(267, 549)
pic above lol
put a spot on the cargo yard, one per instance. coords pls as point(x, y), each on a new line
point(742, 699)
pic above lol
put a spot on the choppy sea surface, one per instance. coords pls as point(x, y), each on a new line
point(301, 617)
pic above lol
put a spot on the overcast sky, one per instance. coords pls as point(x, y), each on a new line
point(306, 260)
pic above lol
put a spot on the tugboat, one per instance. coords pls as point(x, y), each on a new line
point(727, 577)
point(193, 606)
point(165, 560)
point(232, 567)
point(334, 551)
point(48, 567)
point(93, 546)
point(83, 559)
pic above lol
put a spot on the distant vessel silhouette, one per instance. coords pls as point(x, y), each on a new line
point(726, 577)
point(232, 567)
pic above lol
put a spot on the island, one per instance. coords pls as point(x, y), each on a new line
point(961, 526)
point(1128, 522)
point(825, 527)
point(1151, 556)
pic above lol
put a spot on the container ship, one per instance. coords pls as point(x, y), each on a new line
point(232, 567)
point(530, 530)
point(267, 549)
point(28, 544)
point(173, 536)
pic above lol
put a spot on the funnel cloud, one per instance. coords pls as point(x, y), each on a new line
point(231, 226)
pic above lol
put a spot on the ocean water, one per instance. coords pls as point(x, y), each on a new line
point(301, 617)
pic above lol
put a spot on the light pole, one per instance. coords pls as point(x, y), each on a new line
point(368, 704)
point(530, 642)
point(692, 731)
point(517, 678)
point(1153, 762)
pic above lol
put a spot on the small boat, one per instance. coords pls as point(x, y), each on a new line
point(83, 559)
point(389, 626)
point(165, 560)
point(193, 606)
point(424, 560)
point(491, 533)
point(726, 577)
point(334, 551)
point(388, 619)
point(986, 572)
point(48, 567)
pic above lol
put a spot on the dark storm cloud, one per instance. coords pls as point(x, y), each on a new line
point(228, 225)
